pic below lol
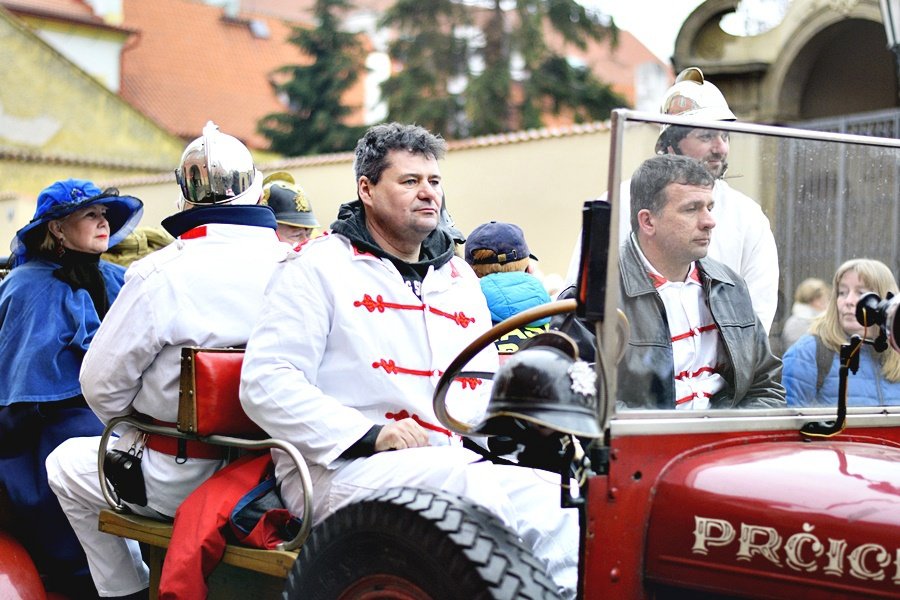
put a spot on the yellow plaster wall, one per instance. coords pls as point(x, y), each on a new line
point(56, 122)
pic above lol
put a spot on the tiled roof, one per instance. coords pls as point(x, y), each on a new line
point(289, 10)
point(299, 10)
point(617, 66)
point(190, 64)
point(187, 63)
point(79, 160)
point(75, 10)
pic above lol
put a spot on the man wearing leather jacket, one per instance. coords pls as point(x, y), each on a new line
point(695, 340)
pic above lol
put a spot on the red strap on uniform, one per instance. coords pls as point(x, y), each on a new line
point(192, 448)
point(181, 447)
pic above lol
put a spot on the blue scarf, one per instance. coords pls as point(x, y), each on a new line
point(253, 215)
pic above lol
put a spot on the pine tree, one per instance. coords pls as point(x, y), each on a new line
point(476, 68)
point(433, 61)
point(515, 43)
point(315, 122)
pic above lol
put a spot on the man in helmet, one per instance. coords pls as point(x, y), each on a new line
point(384, 305)
point(743, 239)
point(690, 315)
point(293, 211)
point(204, 289)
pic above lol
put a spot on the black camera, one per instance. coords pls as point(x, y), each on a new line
point(871, 311)
point(123, 471)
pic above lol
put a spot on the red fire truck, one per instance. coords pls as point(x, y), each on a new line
point(754, 503)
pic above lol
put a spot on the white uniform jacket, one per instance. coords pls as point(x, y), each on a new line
point(343, 344)
point(204, 289)
point(742, 239)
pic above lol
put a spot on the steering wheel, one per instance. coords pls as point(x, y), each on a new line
point(480, 343)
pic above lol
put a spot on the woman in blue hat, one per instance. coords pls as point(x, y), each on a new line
point(51, 304)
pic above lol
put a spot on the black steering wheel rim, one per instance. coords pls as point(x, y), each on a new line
point(454, 370)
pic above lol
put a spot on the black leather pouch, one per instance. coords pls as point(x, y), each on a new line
point(123, 471)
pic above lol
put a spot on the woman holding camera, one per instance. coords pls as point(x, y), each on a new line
point(51, 304)
point(811, 365)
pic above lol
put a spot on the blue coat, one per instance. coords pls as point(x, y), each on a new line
point(867, 387)
point(45, 329)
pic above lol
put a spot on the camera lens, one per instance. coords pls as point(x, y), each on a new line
point(871, 311)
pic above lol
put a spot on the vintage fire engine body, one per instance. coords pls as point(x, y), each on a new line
point(761, 513)
point(742, 503)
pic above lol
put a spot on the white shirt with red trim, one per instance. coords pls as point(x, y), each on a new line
point(344, 344)
point(204, 289)
point(695, 338)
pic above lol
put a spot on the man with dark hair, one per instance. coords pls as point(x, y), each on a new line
point(743, 239)
point(695, 340)
point(384, 305)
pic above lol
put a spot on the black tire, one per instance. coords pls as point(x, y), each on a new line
point(406, 543)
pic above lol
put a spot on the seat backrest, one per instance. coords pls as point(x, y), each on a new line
point(208, 398)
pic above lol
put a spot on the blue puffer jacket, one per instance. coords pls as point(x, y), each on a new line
point(867, 387)
point(508, 294)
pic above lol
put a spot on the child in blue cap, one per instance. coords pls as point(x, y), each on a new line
point(500, 257)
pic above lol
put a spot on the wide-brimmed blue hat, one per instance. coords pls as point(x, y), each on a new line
point(62, 198)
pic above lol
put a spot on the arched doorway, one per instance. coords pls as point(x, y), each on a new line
point(842, 69)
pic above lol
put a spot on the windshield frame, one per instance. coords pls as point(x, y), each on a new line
point(642, 422)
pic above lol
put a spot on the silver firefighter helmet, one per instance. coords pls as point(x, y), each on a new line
point(217, 168)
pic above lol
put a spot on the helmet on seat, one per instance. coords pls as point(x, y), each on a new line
point(217, 168)
point(543, 385)
point(691, 96)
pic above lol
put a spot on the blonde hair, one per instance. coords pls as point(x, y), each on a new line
point(810, 290)
point(49, 243)
point(486, 269)
point(877, 277)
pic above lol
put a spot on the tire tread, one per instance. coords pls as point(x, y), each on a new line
point(471, 542)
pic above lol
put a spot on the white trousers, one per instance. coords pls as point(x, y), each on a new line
point(115, 563)
point(526, 500)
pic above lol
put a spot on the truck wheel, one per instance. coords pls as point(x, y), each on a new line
point(411, 544)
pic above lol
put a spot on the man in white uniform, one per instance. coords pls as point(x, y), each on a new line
point(293, 210)
point(742, 239)
point(205, 289)
point(384, 306)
